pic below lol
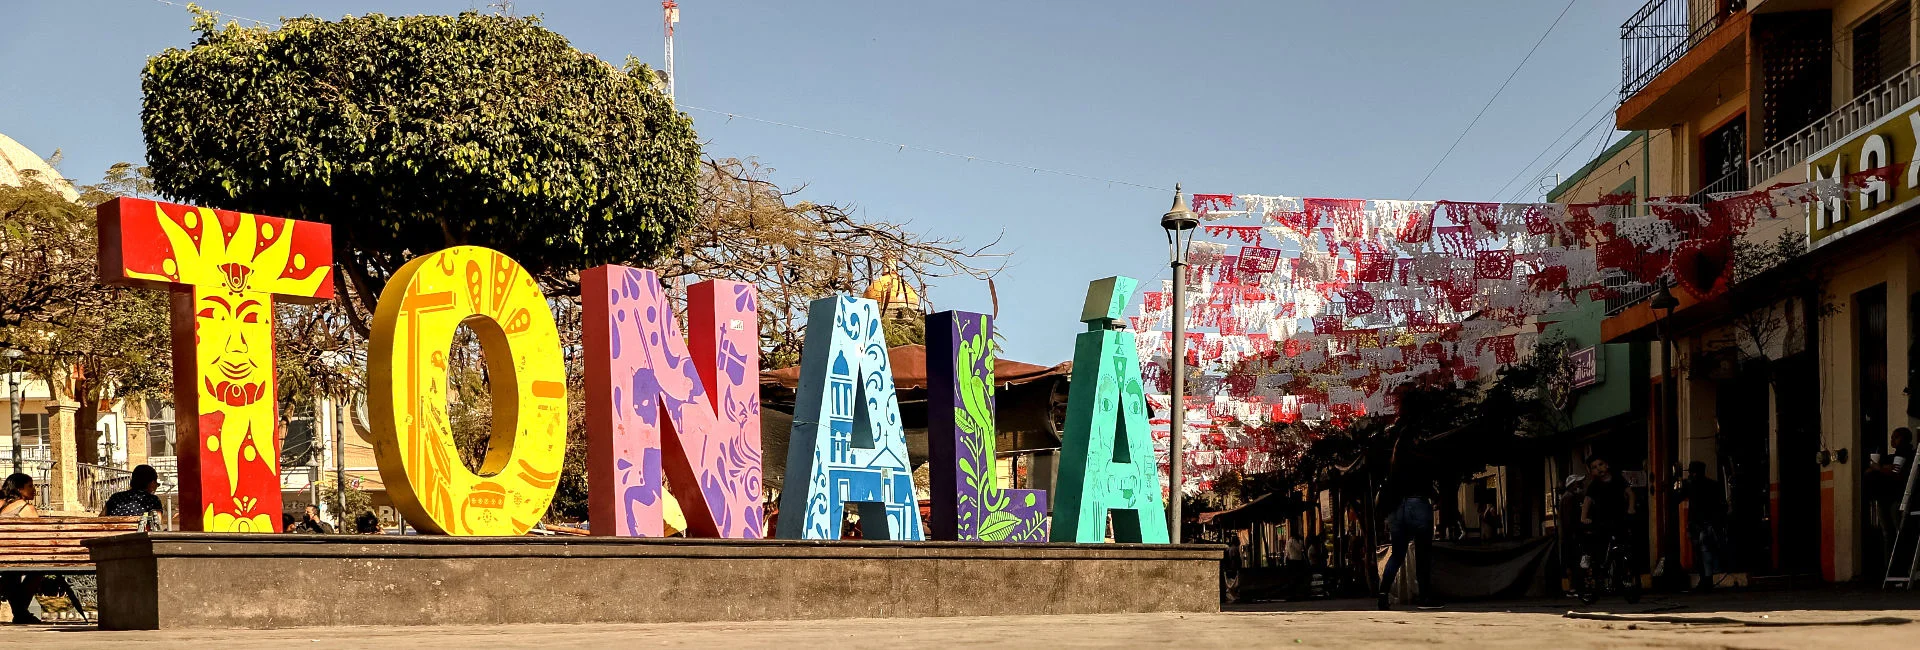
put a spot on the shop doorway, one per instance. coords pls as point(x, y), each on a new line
point(1796, 382)
point(1870, 401)
point(1745, 464)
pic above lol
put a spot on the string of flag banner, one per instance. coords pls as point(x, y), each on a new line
point(1311, 310)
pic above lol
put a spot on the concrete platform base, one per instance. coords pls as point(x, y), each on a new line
point(203, 580)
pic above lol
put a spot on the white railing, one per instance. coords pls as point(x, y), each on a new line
point(1837, 125)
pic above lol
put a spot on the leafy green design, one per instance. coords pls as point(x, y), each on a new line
point(974, 418)
point(998, 526)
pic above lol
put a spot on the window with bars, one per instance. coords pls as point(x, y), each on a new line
point(1880, 47)
point(1723, 157)
point(33, 429)
point(1796, 50)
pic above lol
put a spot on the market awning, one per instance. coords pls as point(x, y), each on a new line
point(1268, 508)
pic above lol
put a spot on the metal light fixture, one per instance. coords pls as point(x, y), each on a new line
point(1663, 298)
point(1180, 225)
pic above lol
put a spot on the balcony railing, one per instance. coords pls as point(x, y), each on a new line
point(1734, 182)
point(1663, 31)
point(1627, 292)
point(1837, 125)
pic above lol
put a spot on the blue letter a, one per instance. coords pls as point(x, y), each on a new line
point(847, 443)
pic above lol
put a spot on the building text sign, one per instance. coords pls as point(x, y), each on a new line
point(1586, 366)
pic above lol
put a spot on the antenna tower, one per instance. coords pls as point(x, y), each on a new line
point(671, 17)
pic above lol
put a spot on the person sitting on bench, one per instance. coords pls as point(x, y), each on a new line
point(138, 499)
point(16, 500)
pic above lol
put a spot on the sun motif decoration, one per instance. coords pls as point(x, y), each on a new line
point(225, 270)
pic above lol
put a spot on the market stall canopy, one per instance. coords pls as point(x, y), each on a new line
point(1267, 508)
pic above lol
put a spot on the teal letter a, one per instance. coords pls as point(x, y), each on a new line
point(1107, 465)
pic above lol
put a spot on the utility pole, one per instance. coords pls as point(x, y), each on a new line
point(670, 17)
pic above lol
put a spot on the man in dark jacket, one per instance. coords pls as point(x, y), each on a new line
point(311, 523)
point(1706, 520)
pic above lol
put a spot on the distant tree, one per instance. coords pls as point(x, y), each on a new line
point(412, 134)
point(795, 252)
point(357, 501)
point(46, 258)
point(92, 343)
point(906, 329)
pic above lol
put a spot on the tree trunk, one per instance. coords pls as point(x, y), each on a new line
point(86, 422)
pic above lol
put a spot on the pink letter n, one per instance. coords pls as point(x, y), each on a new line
point(643, 376)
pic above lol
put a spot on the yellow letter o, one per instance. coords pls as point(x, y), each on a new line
point(419, 311)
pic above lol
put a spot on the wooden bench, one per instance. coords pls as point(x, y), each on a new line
point(50, 546)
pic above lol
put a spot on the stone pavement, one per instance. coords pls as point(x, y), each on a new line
point(1323, 624)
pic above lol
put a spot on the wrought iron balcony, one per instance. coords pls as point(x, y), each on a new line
point(1733, 182)
point(1628, 292)
point(1837, 125)
point(1663, 31)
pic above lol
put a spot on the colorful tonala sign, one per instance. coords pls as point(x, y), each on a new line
point(664, 409)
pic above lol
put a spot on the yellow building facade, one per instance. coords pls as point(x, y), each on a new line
point(1789, 383)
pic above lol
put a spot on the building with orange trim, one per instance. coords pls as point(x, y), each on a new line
point(1786, 381)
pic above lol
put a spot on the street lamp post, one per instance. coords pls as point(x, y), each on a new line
point(13, 405)
point(1179, 223)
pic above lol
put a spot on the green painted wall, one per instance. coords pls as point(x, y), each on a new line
point(1622, 365)
point(1613, 394)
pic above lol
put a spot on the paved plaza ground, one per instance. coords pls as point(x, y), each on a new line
point(1322, 624)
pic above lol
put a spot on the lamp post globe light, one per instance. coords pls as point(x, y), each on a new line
point(1179, 223)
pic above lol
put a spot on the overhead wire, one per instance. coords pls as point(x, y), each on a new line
point(1556, 141)
point(1490, 100)
point(1571, 146)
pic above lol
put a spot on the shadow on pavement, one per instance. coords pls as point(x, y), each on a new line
point(1823, 598)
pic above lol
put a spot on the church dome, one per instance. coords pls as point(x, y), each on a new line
point(890, 290)
point(17, 164)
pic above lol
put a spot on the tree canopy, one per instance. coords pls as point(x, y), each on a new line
point(90, 341)
point(412, 134)
point(46, 258)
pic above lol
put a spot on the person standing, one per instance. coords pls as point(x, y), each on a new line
point(1604, 513)
point(1706, 520)
point(1886, 483)
point(138, 500)
point(1409, 492)
point(1567, 527)
point(1296, 549)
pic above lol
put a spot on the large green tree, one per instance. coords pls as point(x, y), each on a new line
point(412, 134)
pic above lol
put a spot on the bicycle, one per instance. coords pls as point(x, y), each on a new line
point(1612, 575)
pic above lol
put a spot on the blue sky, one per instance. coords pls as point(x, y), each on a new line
point(1321, 98)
